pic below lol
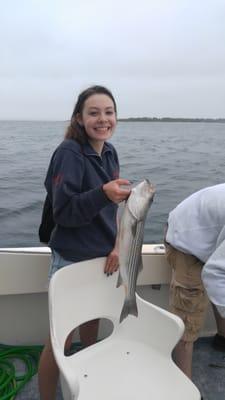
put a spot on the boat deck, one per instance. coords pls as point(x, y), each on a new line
point(208, 374)
point(209, 370)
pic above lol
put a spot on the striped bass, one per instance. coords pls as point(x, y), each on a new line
point(131, 233)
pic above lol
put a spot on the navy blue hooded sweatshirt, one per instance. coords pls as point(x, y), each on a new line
point(85, 218)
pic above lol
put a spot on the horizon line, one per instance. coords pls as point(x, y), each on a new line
point(165, 119)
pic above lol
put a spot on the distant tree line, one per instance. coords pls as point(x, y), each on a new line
point(168, 119)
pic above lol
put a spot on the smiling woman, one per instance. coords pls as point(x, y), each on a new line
point(84, 188)
point(98, 119)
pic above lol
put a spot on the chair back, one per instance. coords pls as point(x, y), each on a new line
point(81, 292)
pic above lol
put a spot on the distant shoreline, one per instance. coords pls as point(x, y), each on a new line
point(131, 119)
point(168, 119)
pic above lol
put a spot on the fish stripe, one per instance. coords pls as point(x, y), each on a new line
point(135, 255)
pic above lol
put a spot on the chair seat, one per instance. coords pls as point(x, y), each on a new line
point(128, 370)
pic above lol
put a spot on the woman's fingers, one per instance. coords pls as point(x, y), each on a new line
point(114, 191)
point(112, 264)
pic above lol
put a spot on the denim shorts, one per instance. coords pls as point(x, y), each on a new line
point(56, 263)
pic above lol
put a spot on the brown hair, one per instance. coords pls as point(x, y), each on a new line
point(75, 130)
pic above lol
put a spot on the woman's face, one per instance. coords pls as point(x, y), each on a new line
point(98, 118)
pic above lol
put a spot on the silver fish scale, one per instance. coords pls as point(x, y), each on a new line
point(135, 261)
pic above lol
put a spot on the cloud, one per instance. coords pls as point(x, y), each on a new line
point(55, 47)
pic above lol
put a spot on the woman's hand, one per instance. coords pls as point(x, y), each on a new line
point(112, 262)
point(114, 192)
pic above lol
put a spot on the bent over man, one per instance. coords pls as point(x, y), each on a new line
point(195, 249)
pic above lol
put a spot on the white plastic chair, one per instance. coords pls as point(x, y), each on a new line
point(134, 362)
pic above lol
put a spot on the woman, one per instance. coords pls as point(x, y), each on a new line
point(84, 188)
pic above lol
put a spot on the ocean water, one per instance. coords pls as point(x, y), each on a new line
point(179, 158)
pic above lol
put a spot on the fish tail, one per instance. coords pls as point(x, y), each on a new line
point(129, 307)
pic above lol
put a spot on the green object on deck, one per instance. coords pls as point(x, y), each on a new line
point(12, 381)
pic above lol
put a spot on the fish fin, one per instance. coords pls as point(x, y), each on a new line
point(129, 307)
point(119, 280)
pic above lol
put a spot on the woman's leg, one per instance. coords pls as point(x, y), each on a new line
point(89, 332)
point(48, 371)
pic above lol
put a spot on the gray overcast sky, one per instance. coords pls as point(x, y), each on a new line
point(159, 57)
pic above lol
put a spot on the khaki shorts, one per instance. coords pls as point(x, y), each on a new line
point(188, 297)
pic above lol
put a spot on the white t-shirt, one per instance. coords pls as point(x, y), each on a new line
point(197, 226)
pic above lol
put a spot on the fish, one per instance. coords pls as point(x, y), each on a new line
point(131, 234)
